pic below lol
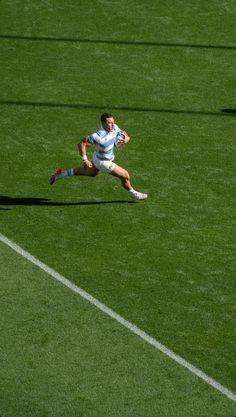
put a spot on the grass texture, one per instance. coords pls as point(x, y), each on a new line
point(166, 72)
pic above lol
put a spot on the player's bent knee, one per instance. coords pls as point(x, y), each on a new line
point(121, 173)
point(126, 176)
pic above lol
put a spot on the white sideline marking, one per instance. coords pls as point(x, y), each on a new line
point(134, 329)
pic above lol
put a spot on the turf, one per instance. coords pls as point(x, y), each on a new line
point(61, 356)
point(168, 264)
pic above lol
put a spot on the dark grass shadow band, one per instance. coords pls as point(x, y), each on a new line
point(32, 201)
point(222, 112)
point(229, 111)
point(115, 42)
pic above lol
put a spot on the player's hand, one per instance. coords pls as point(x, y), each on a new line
point(88, 164)
point(126, 136)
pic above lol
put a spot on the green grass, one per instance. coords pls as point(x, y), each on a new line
point(61, 356)
point(167, 264)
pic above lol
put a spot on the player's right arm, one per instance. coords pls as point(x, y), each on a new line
point(82, 146)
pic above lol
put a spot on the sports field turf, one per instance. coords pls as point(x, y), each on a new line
point(166, 70)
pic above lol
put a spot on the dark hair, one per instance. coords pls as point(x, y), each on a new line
point(105, 116)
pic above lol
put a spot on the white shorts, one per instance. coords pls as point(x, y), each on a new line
point(103, 166)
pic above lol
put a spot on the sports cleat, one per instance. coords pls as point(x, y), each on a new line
point(138, 196)
point(53, 177)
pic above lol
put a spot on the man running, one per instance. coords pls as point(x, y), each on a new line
point(106, 138)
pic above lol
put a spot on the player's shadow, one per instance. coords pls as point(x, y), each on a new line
point(33, 201)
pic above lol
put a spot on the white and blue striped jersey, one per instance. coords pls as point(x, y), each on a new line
point(105, 142)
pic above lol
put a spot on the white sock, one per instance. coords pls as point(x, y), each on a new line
point(131, 191)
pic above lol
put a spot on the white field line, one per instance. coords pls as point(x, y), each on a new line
point(134, 329)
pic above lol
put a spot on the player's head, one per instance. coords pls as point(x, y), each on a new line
point(107, 121)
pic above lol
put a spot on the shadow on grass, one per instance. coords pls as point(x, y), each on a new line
point(114, 42)
point(32, 201)
point(229, 111)
point(223, 112)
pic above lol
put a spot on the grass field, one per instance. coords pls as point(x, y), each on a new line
point(167, 73)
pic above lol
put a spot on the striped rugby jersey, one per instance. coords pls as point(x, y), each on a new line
point(105, 142)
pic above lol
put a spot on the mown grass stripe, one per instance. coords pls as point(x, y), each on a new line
point(134, 329)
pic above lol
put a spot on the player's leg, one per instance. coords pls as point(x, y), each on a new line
point(86, 171)
point(124, 176)
point(79, 171)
